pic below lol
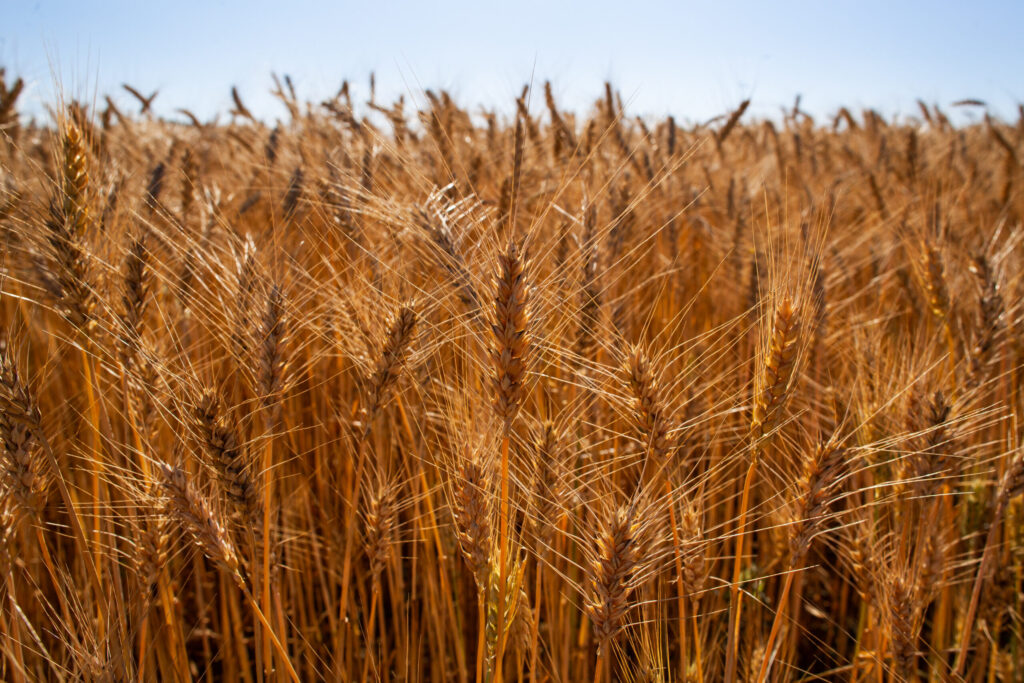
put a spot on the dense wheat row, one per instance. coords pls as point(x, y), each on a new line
point(433, 395)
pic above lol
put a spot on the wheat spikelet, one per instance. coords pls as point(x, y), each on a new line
point(25, 475)
point(390, 360)
point(472, 507)
point(990, 323)
point(935, 282)
point(518, 616)
point(228, 456)
point(381, 513)
point(903, 607)
point(439, 232)
point(778, 369)
point(822, 470)
point(933, 561)
point(273, 331)
point(152, 551)
point(511, 340)
point(650, 412)
point(931, 455)
point(590, 291)
point(68, 278)
point(611, 573)
point(1012, 483)
point(193, 514)
point(135, 297)
point(695, 566)
point(549, 489)
point(245, 268)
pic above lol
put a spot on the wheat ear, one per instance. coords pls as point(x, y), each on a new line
point(510, 349)
point(769, 401)
point(193, 514)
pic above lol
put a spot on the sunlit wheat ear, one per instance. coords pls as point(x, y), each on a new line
point(933, 559)
point(152, 545)
point(816, 491)
point(90, 652)
point(650, 413)
point(193, 514)
point(990, 324)
point(109, 215)
point(68, 275)
point(472, 507)
point(695, 548)
point(229, 457)
point(590, 287)
point(510, 346)
point(381, 519)
point(757, 655)
point(550, 489)
point(136, 276)
point(903, 617)
point(777, 371)
point(611, 572)
point(389, 361)
point(518, 615)
point(185, 284)
point(935, 282)
point(511, 339)
point(272, 335)
point(447, 254)
point(859, 553)
point(1012, 483)
point(771, 390)
point(932, 457)
point(25, 475)
point(75, 179)
point(247, 276)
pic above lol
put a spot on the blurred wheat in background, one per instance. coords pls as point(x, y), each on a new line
point(415, 393)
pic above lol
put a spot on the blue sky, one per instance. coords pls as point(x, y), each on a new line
point(691, 59)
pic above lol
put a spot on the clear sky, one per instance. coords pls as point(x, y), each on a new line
point(692, 59)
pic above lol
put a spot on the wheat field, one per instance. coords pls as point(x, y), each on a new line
point(410, 391)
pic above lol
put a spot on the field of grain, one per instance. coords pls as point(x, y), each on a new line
point(410, 391)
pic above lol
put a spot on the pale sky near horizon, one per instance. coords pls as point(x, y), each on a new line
point(691, 59)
